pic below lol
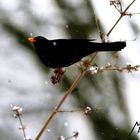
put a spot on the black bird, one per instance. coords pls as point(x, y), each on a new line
point(65, 52)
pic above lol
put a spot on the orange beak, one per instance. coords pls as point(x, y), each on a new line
point(31, 39)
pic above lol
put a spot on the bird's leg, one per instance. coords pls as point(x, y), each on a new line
point(58, 73)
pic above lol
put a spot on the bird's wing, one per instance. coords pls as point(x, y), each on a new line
point(68, 51)
point(68, 44)
point(72, 46)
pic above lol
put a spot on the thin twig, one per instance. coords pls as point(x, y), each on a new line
point(17, 114)
point(131, 14)
point(120, 6)
point(22, 127)
point(69, 111)
point(109, 67)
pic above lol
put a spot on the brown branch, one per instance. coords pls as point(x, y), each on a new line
point(69, 91)
point(109, 67)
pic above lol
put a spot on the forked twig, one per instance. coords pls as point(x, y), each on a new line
point(122, 15)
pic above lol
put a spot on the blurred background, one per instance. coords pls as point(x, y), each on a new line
point(25, 81)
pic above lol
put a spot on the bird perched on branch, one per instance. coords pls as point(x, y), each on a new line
point(65, 52)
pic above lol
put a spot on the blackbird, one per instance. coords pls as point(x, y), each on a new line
point(65, 52)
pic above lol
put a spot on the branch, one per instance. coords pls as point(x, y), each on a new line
point(17, 114)
point(69, 91)
point(109, 67)
point(121, 16)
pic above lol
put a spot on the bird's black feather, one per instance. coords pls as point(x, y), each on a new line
point(64, 52)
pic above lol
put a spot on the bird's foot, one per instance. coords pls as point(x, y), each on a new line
point(58, 73)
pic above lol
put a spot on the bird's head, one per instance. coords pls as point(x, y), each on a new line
point(37, 41)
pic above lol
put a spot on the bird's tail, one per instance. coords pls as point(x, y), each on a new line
point(112, 46)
